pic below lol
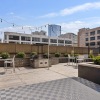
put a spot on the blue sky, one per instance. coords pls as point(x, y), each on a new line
point(70, 14)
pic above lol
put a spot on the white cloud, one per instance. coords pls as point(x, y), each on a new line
point(76, 25)
point(48, 15)
point(72, 10)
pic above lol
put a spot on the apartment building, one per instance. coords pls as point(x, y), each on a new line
point(89, 37)
point(71, 36)
point(13, 37)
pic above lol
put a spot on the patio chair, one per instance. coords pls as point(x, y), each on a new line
point(9, 61)
point(71, 58)
point(79, 59)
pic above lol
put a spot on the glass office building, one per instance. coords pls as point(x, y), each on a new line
point(54, 30)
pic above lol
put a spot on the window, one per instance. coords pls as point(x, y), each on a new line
point(13, 37)
point(44, 40)
point(98, 31)
point(92, 33)
point(35, 39)
point(68, 42)
point(5, 36)
point(53, 40)
point(92, 44)
point(86, 34)
point(92, 38)
point(98, 37)
point(23, 38)
point(86, 39)
point(87, 44)
point(60, 41)
point(98, 43)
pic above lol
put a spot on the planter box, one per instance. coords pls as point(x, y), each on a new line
point(1, 63)
point(40, 63)
point(63, 59)
point(54, 61)
point(22, 62)
point(89, 71)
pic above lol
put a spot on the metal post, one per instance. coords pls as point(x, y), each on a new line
point(48, 53)
point(88, 50)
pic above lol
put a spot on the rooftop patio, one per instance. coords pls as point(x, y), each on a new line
point(60, 82)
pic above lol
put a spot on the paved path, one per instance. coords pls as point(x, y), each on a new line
point(24, 76)
point(61, 89)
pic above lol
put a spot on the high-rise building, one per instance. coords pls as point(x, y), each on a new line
point(89, 37)
point(54, 30)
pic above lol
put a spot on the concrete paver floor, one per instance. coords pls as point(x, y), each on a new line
point(25, 76)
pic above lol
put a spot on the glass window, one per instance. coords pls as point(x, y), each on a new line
point(86, 34)
point(23, 38)
point(68, 42)
point(87, 44)
point(35, 39)
point(92, 38)
point(13, 37)
point(86, 39)
point(53, 40)
point(92, 33)
point(98, 31)
point(60, 41)
point(92, 44)
point(98, 37)
point(44, 40)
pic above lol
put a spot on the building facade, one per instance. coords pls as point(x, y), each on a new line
point(89, 37)
point(20, 38)
point(54, 30)
point(71, 36)
point(39, 33)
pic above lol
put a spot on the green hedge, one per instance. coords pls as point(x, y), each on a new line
point(5, 55)
point(20, 55)
point(96, 60)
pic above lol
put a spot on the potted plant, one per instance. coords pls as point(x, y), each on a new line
point(57, 54)
point(45, 55)
point(65, 55)
point(34, 55)
point(5, 55)
point(20, 55)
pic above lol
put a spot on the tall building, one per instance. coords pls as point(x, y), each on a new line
point(71, 36)
point(54, 30)
point(89, 37)
point(0, 40)
point(20, 38)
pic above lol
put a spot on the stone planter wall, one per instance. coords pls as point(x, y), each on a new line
point(63, 59)
point(90, 72)
point(22, 62)
point(40, 63)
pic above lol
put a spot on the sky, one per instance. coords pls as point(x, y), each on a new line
point(70, 14)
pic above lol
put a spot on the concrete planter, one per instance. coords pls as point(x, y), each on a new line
point(54, 60)
point(63, 59)
point(40, 63)
point(22, 62)
point(89, 71)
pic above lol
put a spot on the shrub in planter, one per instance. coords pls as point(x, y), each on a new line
point(20, 55)
point(5, 55)
point(34, 55)
point(91, 56)
point(57, 54)
point(96, 60)
point(65, 55)
point(45, 55)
